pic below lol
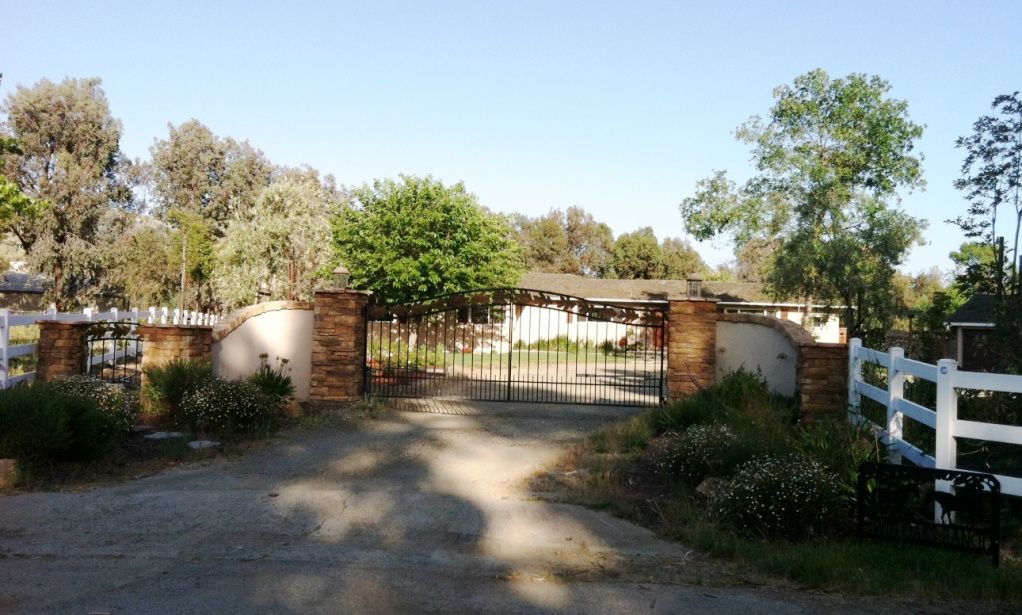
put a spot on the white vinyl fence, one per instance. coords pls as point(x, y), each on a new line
point(9, 320)
point(943, 419)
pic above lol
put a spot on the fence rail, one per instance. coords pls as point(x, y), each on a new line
point(9, 320)
point(943, 419)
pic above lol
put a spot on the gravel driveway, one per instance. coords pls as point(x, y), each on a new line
point(411, 512)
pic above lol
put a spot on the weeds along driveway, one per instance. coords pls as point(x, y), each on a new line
point(410, 512)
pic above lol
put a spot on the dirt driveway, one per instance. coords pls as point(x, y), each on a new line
point(412, 512)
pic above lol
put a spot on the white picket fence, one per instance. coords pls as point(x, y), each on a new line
point(154, 315)
point(943, 419)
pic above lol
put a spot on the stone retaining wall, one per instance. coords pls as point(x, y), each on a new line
point(691, 346)
point(165, 343)
point(61, 349)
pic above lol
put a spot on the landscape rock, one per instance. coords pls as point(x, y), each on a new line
point(8, 473)
point(711, 487)
point(202, 444)
point(164, 435)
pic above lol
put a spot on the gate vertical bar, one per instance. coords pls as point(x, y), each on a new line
point(510, 345)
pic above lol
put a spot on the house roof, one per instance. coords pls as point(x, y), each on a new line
point(978, 310)
point(644, 290)
point(13, 282)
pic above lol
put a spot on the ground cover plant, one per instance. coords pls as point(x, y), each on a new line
point(733, 472)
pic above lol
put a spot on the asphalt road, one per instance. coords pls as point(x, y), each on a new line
point(412, 512)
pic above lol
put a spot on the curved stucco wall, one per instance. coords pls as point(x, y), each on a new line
point(285, 333)
point(757, 347)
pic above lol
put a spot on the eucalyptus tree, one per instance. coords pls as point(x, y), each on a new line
point(70, 177)
point(831, 158)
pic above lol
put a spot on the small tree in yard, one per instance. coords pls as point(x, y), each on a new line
point(415, 238)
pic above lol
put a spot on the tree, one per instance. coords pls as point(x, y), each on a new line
point(201, 183)
point(68, 161)
point(638, 255)
point(976, 268)
point(194, 170)
point(142, 264)
point(278, 246)
point(415, 238)
point(680, 259)
point(566, 242)
point(831, 157)
point(755, 259)
point(992, 175)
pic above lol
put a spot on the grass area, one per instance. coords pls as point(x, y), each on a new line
point(612, 471)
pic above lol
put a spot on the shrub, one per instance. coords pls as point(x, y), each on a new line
point(275, 381)
point(840, 446)
point(700, 452)
point(230, 406)
point(790, 497)
point(168, 384)
point(40, 423)
point(110, 398)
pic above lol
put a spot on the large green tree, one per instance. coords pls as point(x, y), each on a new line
point(68, 160)
point(831, 157)
point(199, 184)
point(638, 255)
point(278, 245)
point(414, 238)
point(571, 241)
point(680, 259)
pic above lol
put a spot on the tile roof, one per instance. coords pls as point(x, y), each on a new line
point(644, 290)
point(979, 309)
point(13, 282)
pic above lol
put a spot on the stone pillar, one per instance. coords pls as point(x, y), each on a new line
point(164, 343)
point(822, 374)
point(61, 349)
point(691, 346)
point(338, 346)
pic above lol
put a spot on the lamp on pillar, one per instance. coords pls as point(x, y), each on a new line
point(695, 285)
point(341, 277)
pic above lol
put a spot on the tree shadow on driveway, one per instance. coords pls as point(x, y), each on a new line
point(412, 512)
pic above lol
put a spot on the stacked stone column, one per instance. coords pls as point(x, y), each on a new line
point(61, 349)
point(691, 346)
point(338, 346)
point(822, 374)
point(165, 343)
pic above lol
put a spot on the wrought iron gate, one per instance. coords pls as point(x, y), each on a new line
point(113, 352)
point(517, 345)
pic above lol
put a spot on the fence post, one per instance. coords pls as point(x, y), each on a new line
point(854, 375)
point(116, 314)
point(5, 344)
point(177, 316)
point(163, 315)
point(895, 391)
point(88, 314)
point(946, 449)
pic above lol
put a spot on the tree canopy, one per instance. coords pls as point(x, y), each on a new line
point(566, 242)
point(414, 238)
point(67, 159)
point(830, 159)
point(278, 245)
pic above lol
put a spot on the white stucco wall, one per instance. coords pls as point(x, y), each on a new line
point(757, 347)
point(280, 333)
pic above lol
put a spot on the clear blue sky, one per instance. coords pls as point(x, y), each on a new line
point(617, 107)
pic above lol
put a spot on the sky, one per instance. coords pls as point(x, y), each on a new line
point(617, 107)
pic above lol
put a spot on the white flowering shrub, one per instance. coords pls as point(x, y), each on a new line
point(790, 497)
point(230, 406)
point(700, 451)
point(111, 399)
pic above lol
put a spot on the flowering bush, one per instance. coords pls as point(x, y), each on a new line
point(699, 452)
point(111, 399)
point(790, 497)
point(229, 406)
point(274, 381)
